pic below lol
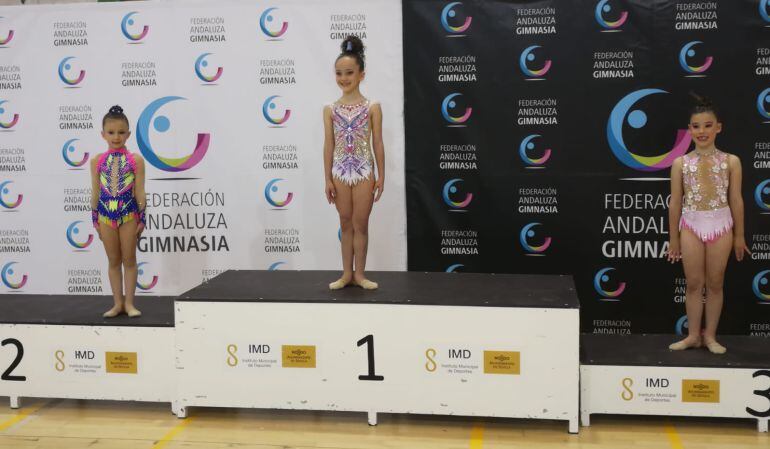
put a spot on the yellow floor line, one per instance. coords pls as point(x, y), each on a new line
point(172, 434)
point(477, 436)
point(20, 416)
point(673, 436)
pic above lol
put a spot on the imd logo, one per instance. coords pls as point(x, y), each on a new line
point(69, 150)
point(265, 22)
point(603, 278)
point(454, 268)
point(127, 24)
point(528, 56)
point(533, 245)
point(526, 146)
point(201, 66)
point(687, 53)
point(6, 194)
point(453, 22)
point(268, 106)
point(622, 114)
point(760, 283)
point(141, 274)
point(8, 35)
point(762, 195)
point(73, 231)
point(276, 265)
point(449, 103)
point(4, 123)
point(450, 191)
point(681, 326)
point(763, 12)
point(162, 124)
point(604, 11)
point(272, 188)
point(8, 275)
point(66, 68)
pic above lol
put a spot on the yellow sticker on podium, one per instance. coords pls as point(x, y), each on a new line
point(697, 390)
point(121, 362)
point(298, 356)
point(502, 362)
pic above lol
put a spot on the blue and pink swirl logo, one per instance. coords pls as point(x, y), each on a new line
point(141, 268)
point(128, 23)
point(527, 234)
point(201, 66)
point(449, 192)
point(603, 278)
point(602, 9)
point(527, 145)
point(266, 19)
point(272, 188)
point(762, 195)
point(449, 13)
point(637, 119)
point(69, 150)
point(162, 124)
point(682, 325)
point(5, 192)
point(6, 124)
point(268, 106)
point(8, 273)
point(73, 230)
point(763, 11)
point(760, 282)
point(454, 268)
point(527, 56)
point(687, 52)
point(450, 103)
point(762, 100)
point(65, 67)
point(7, 39)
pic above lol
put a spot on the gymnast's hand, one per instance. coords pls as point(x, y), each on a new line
point(739, 245)
point(331, 192)
point(674, 251)
point(379, 186)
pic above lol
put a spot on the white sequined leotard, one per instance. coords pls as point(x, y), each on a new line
point(352, 161)
point(705, 210)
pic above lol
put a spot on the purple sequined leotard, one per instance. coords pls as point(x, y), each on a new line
point(116, 170)
point(352, 161)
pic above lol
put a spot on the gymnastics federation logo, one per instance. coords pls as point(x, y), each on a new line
point(601, 278)
point(450, 189)
point(274, 266)
point(762, 100)
point(201, 64)
point(142, 285)
point(761, 193)
point(5, 124)
point(527, 145)
point(269, 105)
point(162, 124)
point(72, 231)
point(65, 67)
point(528, 232)
point(761, 279)
point(528, 56)
point(450, 103)
point(682, 325)
point(622, 114)
point(602, 8)
point(8, 272)
point(272, 188)
point(7, 39)
point(450, 13)
point(69, 149)
point(5, 191)
point(454, 268)
point(265, 19)
point(688, 51)
point(763, 11)
point(127, 22)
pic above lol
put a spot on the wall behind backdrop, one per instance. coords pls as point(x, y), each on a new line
point(225, 102)
point(540, 136)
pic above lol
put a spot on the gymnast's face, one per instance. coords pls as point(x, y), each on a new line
point(704, 128)
point(348, 74)
point(116, 133)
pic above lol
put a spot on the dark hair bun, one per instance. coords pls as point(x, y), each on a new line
point(352, 44)
point(116, 110)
